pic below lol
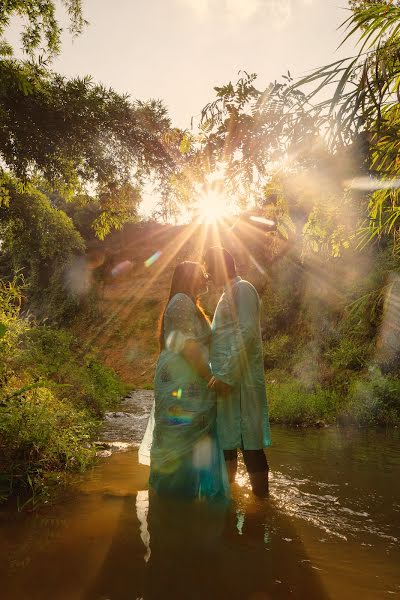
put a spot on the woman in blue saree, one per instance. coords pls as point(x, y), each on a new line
point(185, 456)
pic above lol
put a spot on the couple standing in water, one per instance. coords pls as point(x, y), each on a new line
point(209, 387)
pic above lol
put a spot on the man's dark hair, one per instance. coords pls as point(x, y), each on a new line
point(219, 257)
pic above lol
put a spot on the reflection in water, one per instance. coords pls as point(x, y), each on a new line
point(142, 511)
point(214, 551)
point(185, 549)
point(329, 530)
point(239, 554)
point(249, 550)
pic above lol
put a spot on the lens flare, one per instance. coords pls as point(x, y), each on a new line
point(202, 453)
point(370, 184)
point(176, 415)
point(77, 277)
point(122, 267)
point(257, 265)
point(154, 258)
point(262, 220)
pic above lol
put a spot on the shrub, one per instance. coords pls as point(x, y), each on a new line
point(40, 433)
point(147, 386)
point(56, 354)
point(41, 242)
point(374, 400)
point(292, 404)
point(277, 351)
point(51, 393)
point(101, 388)
point(350, 354)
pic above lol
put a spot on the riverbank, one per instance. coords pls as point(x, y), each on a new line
point(44, 436)
point(368, 400)
point(53, 394)
point(364, 400)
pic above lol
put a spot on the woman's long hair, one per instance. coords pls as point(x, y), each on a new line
point(183, 282)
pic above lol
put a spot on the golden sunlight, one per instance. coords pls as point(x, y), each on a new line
point(212, 207)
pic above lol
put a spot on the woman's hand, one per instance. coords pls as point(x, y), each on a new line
point(222, 388)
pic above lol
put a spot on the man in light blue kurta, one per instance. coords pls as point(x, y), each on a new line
point(237, 363)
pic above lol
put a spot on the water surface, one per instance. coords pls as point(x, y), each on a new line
point(330, 529)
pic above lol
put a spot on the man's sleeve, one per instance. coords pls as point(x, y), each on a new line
point(245, 326)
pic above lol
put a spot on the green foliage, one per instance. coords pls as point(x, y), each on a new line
point(54, 354)
point(51, 395)
point(41, 433)
point(349, 354)
point(77, 138)
point(281, 297)
point(383, 207)
point(84, 141)
point(80, 137)
point(147, 386)
point(246, 130)
point(41, 28)
point(277, 351)
point(373, 400)
point(292, 404)
point(365, 104)
point(325, 231)
point(321, 320)
point(373, 73)
point(362, 4)
point(41, 243)
point(280, 206)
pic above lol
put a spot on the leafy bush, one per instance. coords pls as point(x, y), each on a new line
point(41, 433)
point(292, 404)
point(281, 298)
point(56, 354)
point(51, 395)
point(147, 386)
point(40, 242)
point(349, 354)
point(277, 351)
point(374, 400)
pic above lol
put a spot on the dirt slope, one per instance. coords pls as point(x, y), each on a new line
point(132, 292)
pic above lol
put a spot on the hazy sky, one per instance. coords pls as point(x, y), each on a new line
point(177, 50)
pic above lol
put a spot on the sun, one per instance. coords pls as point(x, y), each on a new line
point(212, 207)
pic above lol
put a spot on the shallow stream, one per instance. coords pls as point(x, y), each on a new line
point(330, 529)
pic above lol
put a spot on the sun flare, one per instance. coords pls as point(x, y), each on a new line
point(212, 207)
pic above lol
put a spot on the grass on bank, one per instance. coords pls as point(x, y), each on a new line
point(291, 404)
point(372, 399)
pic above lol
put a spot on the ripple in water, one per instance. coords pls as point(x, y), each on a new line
point(320, 503)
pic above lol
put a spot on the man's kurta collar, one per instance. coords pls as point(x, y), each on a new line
point(231, 283)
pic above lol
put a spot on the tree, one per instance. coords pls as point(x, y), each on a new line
point(39, 242)
point(366, 101)
point(362, 4)
point(81, 139)
point(245, 135)
point(74, 137)
point(42, 30)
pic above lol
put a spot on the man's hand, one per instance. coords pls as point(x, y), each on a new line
point(222, 388)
